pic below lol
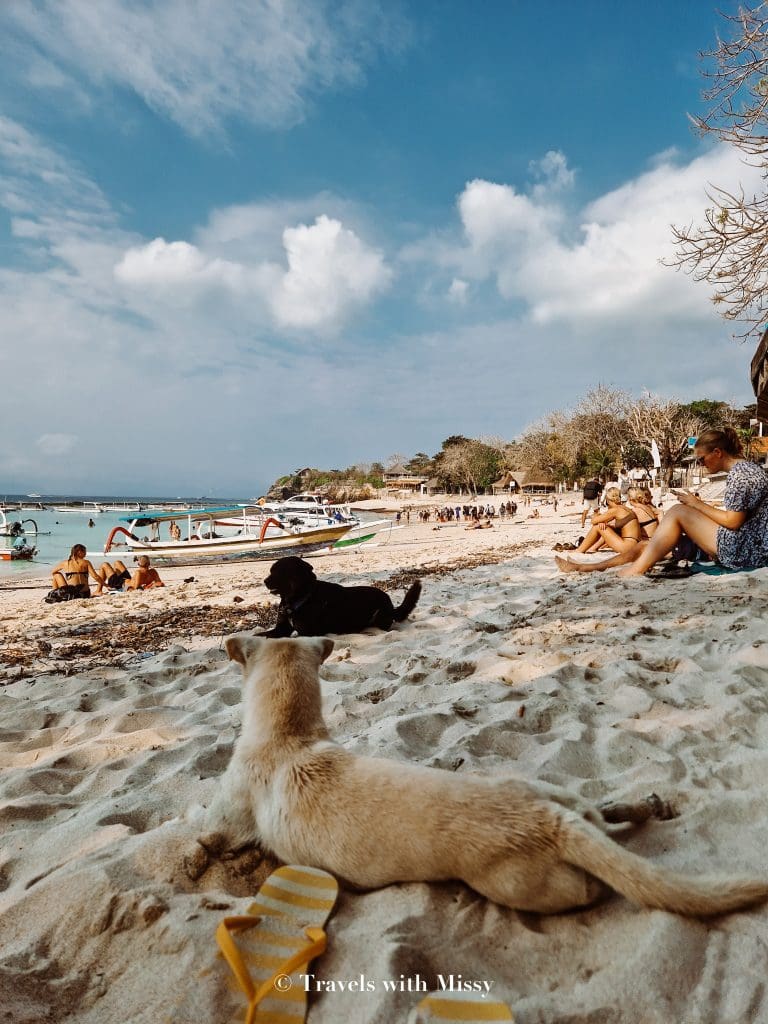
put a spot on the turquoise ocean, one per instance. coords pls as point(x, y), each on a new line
point(58, 531)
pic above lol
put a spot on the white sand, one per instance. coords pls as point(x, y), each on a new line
point(611, 689)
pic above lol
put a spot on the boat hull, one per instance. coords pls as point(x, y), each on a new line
point(225, 548)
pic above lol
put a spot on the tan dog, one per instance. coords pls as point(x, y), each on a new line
point(372, 821)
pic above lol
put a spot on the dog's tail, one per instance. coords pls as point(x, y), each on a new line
point(409, 602)
point(649, 885)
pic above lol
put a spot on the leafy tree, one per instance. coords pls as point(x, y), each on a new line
point(421, 464)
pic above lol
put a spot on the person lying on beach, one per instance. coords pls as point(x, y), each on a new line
point(114, 577)
point(477, 525)
point(737, 533)
point(74, 572)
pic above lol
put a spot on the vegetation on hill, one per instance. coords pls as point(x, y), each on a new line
point(607, 429)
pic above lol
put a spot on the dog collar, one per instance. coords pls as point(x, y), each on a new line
point(295, 607)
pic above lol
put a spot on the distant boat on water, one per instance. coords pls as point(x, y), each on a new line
point(86, 507)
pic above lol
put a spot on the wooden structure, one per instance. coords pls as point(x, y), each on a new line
point(759, 375)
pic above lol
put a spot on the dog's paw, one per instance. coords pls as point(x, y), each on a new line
point(196, 862)
point(215, 843)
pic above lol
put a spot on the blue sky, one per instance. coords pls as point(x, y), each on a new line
point(240, 237)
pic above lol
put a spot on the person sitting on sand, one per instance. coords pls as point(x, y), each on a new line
point(737, 533)
point(648, 516)
point(74, 572)
point(616, 528)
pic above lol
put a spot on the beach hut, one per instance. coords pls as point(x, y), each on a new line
point(397, 478)
point(510, 483)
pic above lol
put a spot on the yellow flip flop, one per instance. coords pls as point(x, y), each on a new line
point(281, 933)
point(466, 1007)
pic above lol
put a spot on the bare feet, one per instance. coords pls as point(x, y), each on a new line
point(630, 570)
point(566, 565)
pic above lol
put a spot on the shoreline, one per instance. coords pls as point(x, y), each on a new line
point(120, 712)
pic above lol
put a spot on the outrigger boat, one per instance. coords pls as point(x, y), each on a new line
point(211, 534)
point(309, 510)
point(17, 532)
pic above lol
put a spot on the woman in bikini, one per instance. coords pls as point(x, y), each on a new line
point(74, 572)
point(648, 516)
point(616, 528)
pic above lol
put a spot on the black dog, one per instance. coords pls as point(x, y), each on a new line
point(313, 607)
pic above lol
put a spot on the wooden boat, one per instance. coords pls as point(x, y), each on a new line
point(215, 534)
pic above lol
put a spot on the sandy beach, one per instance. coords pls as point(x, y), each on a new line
point(120, 712)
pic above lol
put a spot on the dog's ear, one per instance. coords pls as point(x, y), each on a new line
point(240, 647)
point(305, 569)
point(234, 647)
point(323, 646)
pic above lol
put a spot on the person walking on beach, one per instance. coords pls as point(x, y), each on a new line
point(737, 533)
point(74, 572)
point(591, 495)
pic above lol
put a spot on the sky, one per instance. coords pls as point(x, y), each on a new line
point(241, 237)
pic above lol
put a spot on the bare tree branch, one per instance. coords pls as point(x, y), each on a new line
point(730, 249)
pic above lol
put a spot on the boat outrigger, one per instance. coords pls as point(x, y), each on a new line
point(14, 536)
point(211, 534)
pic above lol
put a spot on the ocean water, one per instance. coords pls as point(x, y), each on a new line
point(59, 531)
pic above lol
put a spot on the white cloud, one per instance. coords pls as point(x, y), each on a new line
point(613, 269)
point(56, 444)
point(161, 264)
point(330, 271)
point(552, 173)
point(457, 291)
point(204, 62)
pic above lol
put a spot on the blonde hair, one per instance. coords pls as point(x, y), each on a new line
point(613, 494)
point(144, 561)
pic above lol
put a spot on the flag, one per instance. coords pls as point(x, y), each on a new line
point(655, 455)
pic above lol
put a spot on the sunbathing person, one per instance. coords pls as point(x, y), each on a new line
point(477, 525)
point(145, 577)
point(74, 572)
point(113, 577)
point(737, 533)
point(616, 528)
point(648, 516)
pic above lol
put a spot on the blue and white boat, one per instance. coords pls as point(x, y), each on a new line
point(215, 534)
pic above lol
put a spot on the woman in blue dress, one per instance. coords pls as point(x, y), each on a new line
point(737, 533)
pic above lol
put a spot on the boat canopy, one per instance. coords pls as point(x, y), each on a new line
point(146, 518)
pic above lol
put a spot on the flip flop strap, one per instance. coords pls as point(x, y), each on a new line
point(317, 945)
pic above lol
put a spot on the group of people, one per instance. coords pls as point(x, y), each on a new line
point(73, 576)
point(734, 533)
